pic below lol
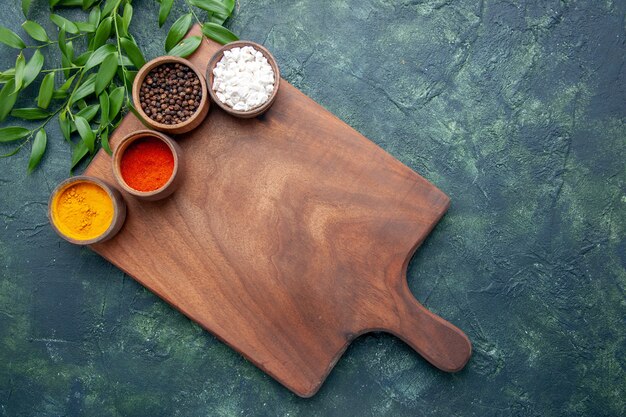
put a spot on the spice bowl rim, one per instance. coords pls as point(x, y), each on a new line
point(166, 189)
point(119, 209)
point(217, 56)
point(194, 120)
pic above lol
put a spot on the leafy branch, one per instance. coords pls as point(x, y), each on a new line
point(95, 92)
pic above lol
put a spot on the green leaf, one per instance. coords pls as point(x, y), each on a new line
point(38, 149)
point(67, 58)
point(9, 134)
point(79, 152)
point(13, 152)
point(86, 88)
point(85, 132)
point(8, 37)
point(106, 72)
point(69, 3)
point(178, 31)
point(53, 3)
point(186, 47)
point(109, 6)
point(214, 6)
point(7, 75)
point(7, 99)
point(124, 60)
point(130, 77)
point(133, 52)
point(63, 23)
point(65, 126)
point(128, 16)
point(35, 31)
point(26, 7)
point(66, 85)
point(116, 99)
point(87, 4)
point(102, 33)
point(89, 112)
point(98, 56)
point(20, 65)
point(104, 108)
point(218, 33)
point(69, 47)
point(30, 113)
point(164, 10)
point(82, 59)
point(61, 42)
point(94, 14)
point(119, 25)
point(230, 5)
point(104, 139)
point(33, 68)
point(85, 27)
point(59, 94)
point(45, 91)
point(66, 64)
point(216, 18)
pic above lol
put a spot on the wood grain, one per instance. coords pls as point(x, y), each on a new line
point(289, 236)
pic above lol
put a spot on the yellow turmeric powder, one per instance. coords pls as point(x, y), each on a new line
point(82, 211)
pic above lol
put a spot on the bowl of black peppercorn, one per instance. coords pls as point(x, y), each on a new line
point(170, 95)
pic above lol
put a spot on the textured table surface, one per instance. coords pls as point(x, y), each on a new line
point(517, 112)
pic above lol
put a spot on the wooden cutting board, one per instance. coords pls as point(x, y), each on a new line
point(289, 237)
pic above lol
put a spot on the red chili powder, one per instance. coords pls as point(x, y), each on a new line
point(147, 164)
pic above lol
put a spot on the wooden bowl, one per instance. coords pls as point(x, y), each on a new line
point(169, 187)
point(188, 124)
point(238, 113)
point(119, 209)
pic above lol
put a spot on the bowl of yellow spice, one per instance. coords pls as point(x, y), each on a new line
point(85, 210)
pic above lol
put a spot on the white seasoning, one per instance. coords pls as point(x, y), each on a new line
point(243, 79)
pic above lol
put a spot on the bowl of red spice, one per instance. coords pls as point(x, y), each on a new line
point(146, 164)
point(170, 95)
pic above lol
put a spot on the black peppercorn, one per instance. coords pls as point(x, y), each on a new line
point(167, 90)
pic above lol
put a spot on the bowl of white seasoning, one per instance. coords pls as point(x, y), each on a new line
point(243, 79)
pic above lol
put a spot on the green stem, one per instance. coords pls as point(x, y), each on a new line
point(63, 69)
point(69, 100)
point(44, 124)
point(53, 42)
point(119, 53)
point(33, 131)
point(193, 12)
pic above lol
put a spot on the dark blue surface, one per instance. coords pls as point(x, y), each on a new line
point(516, 111)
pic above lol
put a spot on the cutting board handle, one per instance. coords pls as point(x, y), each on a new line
point(438, 341)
